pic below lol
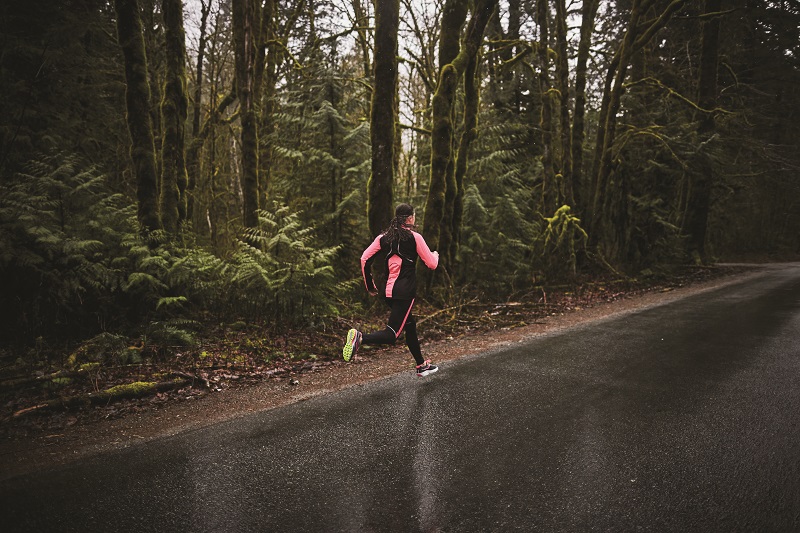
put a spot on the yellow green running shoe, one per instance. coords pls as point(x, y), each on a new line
point(351, 344)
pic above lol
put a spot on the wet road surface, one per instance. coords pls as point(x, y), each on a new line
point(681, 417)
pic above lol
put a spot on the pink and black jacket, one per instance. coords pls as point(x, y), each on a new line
point(401, 262)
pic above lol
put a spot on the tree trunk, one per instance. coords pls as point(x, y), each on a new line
point(471, 101)
point(174, 109)
point(382, 116)
point(550, 195)
point(468, 63)
point(267, 68)
point(443, 231)
point(454, 15)
point(453, 18)
point(362, 23)
point(137, 100)
point(700, 192)
point(562, 80)
point(193, 163)
point(246, 24)
point(152, 31)
point(578, 126)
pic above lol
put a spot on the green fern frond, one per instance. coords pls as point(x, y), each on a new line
point(171, 301)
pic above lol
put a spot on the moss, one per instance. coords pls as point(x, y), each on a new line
point(86, 367)
point(137, 388)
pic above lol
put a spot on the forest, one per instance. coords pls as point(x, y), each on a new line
point(174, 171)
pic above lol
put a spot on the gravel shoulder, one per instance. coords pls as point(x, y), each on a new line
point(46, 449)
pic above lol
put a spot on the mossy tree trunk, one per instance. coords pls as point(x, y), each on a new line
point(382, 116)
point(472, 46)
point(266, 69)
point(588, 15)
point(503, 88)
point(441, 192)
point(442, 213)
point(699, 204)
point(362, 40)
point(562, 82)
point(193, 162)
point(174, 112)
point(550, 196)
point(246, 26)
point(471, 101)
point(137, 100)
point(153, 33)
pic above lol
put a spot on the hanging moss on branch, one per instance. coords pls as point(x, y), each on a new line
point(562, 238)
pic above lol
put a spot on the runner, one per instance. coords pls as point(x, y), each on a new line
point(401, 246)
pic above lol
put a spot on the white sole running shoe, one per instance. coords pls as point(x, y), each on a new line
point(426, 369)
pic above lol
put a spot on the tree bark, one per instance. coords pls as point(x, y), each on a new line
point(382, 116)
point(468, 63)
point(578, 127)
point(471, 102)
point(550, 194)
point(245, 36)
point(193, 163)
point(454, 15)
point(453, 18)
point(174, 112)
point(444, 188)
point(562, 80)
point(703, 180)
point(266, 70)
point(137, 100)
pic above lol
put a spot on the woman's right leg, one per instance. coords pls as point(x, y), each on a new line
point(398, 318)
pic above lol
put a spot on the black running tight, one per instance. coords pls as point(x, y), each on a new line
point(400, 319)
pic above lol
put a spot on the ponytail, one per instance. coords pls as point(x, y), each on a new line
point(398, 229)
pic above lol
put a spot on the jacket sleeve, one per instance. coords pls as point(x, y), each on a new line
point(430, 259)
point(366, 263)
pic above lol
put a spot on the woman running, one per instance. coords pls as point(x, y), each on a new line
point(400, 245)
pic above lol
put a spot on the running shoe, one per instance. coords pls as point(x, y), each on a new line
point(426, 369)
point(351, 344)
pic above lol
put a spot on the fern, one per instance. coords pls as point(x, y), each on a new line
point(281, 273)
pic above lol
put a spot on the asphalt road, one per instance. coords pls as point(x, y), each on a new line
point(682, 417)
